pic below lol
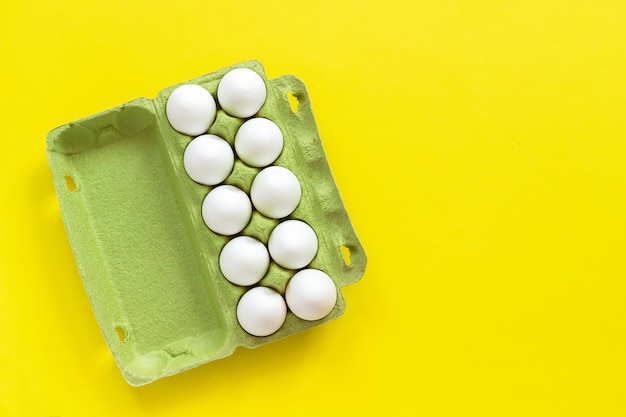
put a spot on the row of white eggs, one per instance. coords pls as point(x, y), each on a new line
point(275, 192)
point(310, 295)
point(209, 159)
point(245, 260)
point(191, 109)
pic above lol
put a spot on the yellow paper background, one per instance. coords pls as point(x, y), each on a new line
point(480, 149)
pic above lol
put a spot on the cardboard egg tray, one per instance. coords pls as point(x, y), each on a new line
point(148, 262)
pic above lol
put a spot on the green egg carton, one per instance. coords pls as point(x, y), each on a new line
point(148, 262)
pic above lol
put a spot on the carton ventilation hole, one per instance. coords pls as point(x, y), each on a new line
point(70, 184)
point(293, 101)
point(345, 253)
point(121, 334)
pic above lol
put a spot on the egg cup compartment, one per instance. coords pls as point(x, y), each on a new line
point(148, 261)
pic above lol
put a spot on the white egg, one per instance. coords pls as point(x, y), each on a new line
point(191, 109)
point(241, 92)
point(259, 142)
point(208, 159)
point(311, 294)
point(261, 311)
point(293, 244)
point(275, 192)
point(226, 210)
point(244, 260)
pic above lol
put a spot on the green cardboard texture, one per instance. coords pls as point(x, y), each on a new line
point(148, 262)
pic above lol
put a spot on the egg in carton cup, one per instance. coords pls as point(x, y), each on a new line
point(204, 219)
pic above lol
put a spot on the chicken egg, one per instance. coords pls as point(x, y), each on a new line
point(258, 142)
point(261, 311)
point(311, 294)
point(244, 260)
point(275, 192)
point(241, 92)
point(208, 159)
point(226, 210)
point(293, 244)
point(191, 109)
